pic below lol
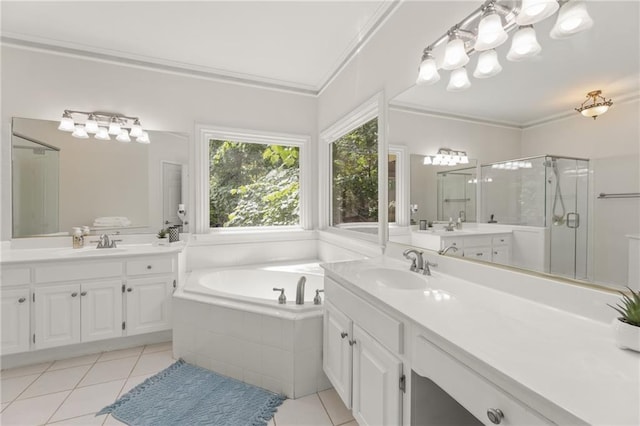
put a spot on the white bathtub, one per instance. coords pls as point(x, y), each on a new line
point(229, 320)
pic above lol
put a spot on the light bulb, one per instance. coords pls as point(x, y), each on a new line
point(455, 55)
point(136, 129)
point(80, 132)
point(459, 80)
point(66, 123)
point(428, 72)
point(524, 44)
point(488, 65)
point(572, 18)
point(91, 125)
point(533, 11)
point(123, 136)
point(143, 138)
point(427, 160)
point(114, 127)
point(102, 134)
point(490, 32)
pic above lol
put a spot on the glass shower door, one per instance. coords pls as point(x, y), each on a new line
point(566, 216)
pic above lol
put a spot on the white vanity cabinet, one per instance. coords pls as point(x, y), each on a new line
point(148, 303)
point(494, 248)
point(74, 313)
point(360, 359)
point(15, 320)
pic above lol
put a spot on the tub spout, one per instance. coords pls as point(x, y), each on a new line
point(300, 290)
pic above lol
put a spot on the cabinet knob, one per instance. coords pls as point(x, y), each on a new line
point(129, 290)
point(352, 342)
point(495, 415)
point(343, 334)
point(84, 293)
point(148, 266)
point(21, 300)
point(74, 294)
point(454, 244)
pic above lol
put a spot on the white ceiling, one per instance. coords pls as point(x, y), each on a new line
point(606, 57)
point(291, 44)
point(300, 45)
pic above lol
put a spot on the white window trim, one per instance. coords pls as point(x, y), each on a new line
point(403, 179)
point(368, 110)
point(206, 132)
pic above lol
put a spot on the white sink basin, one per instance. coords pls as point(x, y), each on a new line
point(395, 278)
point(91, 251)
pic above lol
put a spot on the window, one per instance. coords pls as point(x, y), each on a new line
point(354, 183)
point(253, 184)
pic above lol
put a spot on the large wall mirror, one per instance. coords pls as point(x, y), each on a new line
point(540, 169)
point(60, 182)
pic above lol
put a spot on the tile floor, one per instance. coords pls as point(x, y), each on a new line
point(71, 391)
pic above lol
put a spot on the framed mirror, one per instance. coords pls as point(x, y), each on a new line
point(550, 217)
point(60, 182)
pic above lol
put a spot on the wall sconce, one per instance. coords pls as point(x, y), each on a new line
point(102, 125)
point(598, 106)
point(446, 157)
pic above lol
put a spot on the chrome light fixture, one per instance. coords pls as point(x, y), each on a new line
point(459, 80)
point(488, 26)
point(598, 106)
point(446, 157)
point(103, 124)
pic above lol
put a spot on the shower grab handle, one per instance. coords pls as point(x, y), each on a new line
point(573, 220)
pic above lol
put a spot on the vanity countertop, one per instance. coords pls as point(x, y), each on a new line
point(463, 232)
point(567, 360)
point(11, 256)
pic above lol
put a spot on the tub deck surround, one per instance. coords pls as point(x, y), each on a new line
point(249, 336)
point(565, 366)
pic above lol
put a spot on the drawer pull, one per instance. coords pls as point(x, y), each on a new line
point(454, 244)
point(343, 334)
point(129, 290)
point(148, 266)
point(21, 300)
point(84, 293)
point(74, 294)
point(352, 342)
point(478, 254)
point(495, 415)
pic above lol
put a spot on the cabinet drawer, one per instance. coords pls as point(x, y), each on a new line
point(501, 240)
point(452, 241)
point(148, 266)
point(478, 253)
point(69, 271)
point(381, 326)
point(15, 276)
point(470, 389)
point(478, 241)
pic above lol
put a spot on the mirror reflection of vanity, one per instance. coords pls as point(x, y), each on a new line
point(541, 166)
point(60, 182)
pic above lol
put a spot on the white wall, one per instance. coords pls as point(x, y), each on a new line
point(41, 85)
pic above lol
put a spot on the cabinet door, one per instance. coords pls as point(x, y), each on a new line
point(148, 305)
point(57, 315)
point(101, 310)
point(337, 354)
point(501, 255)
point(15, 321)
point(377, 398)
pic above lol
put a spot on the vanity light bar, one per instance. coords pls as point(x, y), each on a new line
point(487, 27)
point(102, 125)
point(446, 157)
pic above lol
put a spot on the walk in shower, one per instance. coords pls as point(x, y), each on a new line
point(457, 194)
point(549, 192)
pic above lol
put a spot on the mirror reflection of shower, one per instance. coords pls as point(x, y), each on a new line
point(457, 194)
point(35, 176)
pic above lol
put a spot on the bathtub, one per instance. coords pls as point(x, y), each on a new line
point(229, 321)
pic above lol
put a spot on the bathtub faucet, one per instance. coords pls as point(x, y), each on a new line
point(300, 290)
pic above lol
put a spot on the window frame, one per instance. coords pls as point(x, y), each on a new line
point(206, 132)
point(368, 110)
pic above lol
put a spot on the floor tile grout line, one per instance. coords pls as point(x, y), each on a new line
point(325, 408)
point(23, 390)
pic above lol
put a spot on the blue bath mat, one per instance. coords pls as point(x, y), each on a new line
point(184, 394)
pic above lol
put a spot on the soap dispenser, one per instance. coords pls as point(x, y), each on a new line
point(77, 238)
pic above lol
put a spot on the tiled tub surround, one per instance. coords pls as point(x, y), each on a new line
point(558, 360)
point(277, 347)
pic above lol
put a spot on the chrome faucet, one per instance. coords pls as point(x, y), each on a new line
point(418, 263)
point(105, 242)
point(300, 290)
point(446, 249)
